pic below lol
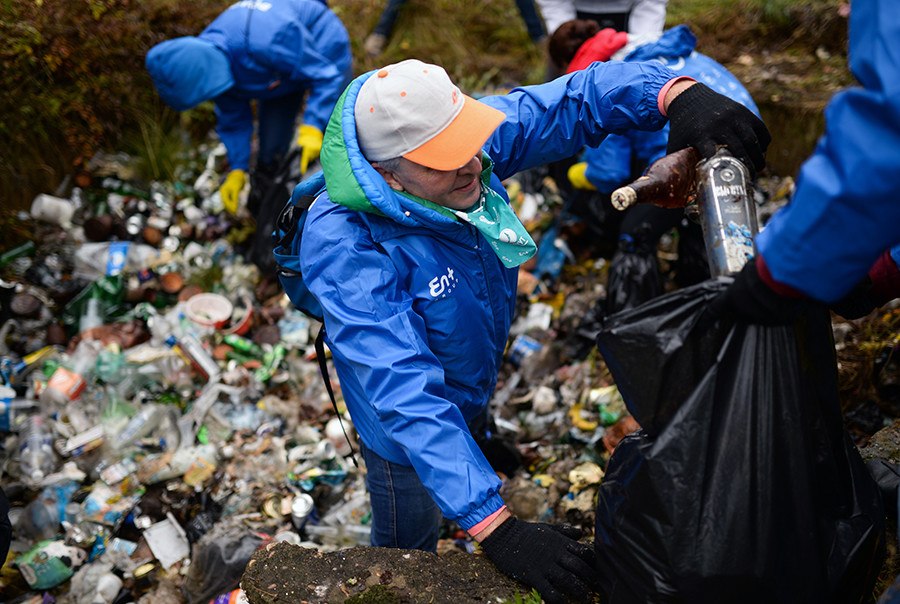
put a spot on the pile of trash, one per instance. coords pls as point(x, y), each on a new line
point(163, 415)
point(162, 411)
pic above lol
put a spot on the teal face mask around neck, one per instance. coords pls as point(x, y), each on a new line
point(494, 219)
point(499, 224)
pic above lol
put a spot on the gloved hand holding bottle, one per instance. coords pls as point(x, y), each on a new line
point(309, 139)
point(231, 190)
point(704, 119)
point(547, 557)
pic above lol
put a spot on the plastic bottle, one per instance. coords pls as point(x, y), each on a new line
point(140, 425)
point(191, 350)
point(70, 378)
point(36, 458)
point(667, 182)
point(106, 258)
point(92, 316)
point(12, 408)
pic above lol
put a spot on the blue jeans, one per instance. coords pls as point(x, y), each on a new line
point(533, 22)
point(276, 130)
point(403, 513)
point(388, 18)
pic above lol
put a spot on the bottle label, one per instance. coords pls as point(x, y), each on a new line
point(118, 252)
point(7, 395)
point(69, 383)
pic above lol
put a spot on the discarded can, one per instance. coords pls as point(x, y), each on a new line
point(301, 508)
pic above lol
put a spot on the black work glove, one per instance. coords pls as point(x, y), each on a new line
point(546, 557)
point(749, 299)
point(704, 119)
point(857, 303)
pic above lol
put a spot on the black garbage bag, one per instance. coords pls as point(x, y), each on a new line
point(218, 560)
point(743, 484)
point(633, 279)
point(268, 194)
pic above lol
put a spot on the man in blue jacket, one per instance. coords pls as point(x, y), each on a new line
point(271, 51)
point(838, 240)
point(412, 250)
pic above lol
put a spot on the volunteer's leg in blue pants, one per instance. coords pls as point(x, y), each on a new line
point(403, 513)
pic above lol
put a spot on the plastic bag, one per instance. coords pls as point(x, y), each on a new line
point(269, 194)
point(743, 484)
point(218, 560)
point(634, 278)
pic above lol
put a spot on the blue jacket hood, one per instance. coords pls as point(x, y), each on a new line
point(187, 71)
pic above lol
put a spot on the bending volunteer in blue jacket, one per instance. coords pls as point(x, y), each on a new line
point(273, 51)
point(633, 274)
point(608, 166)
point(844, 218)
point(412, 250)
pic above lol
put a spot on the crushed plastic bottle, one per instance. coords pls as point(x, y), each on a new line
point(94, 260)
point(142, 424)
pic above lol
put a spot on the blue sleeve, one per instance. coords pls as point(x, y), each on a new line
point(234, 125)
point(383, 348)
point(609, 165)
point(845, 209)
point(325, 66)
point(552, 121)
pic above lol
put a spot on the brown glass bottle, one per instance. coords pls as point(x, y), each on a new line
point(667, 182)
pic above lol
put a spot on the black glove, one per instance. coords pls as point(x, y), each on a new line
point(704, 119)
point(857, 303)
point(750, 300)
point(546, 557)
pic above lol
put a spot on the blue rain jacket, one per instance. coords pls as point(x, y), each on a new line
point(417, 307)
point(845, 211)
point(609, 165)
point(274, 48)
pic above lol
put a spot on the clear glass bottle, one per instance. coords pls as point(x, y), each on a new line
point(727, 212)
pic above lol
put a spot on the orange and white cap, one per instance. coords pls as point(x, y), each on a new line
point(411, 109)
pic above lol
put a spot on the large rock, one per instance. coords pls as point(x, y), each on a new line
point(287, 573)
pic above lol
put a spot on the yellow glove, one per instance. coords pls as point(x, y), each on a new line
point(231, 190)
point(309, 139)
point(578, 178)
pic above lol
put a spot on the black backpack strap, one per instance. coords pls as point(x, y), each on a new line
point(323, 367)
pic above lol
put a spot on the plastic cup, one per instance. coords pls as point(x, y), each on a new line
point(209, 310)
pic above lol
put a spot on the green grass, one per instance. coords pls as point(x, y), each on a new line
point(74, 83)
